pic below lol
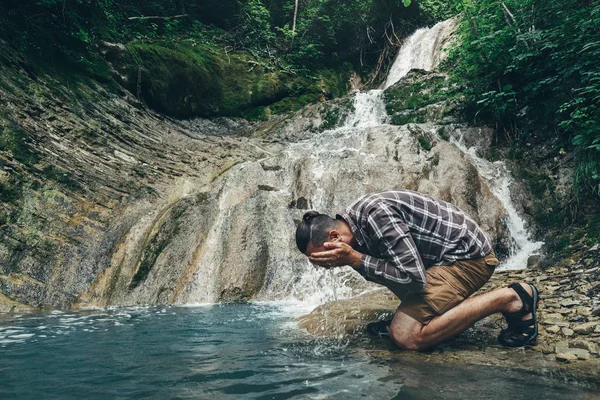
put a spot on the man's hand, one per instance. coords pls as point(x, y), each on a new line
point(339, 254)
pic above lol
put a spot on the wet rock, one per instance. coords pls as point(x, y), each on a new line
point(569, 302)
point(567, 332)
point(553, 329)
point(566, 357)
point(581, 354)
point(586, 345)
point(546, 349)
point(533, 262)
point(350, 316)
point(585, 329)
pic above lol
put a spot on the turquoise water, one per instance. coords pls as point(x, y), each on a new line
point(221, 352)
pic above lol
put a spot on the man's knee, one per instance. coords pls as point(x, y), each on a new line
point(405, 332)
point(402, 340)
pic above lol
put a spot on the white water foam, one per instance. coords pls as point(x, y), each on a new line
point(369, 110)
point(499, 180)
point(422, 50)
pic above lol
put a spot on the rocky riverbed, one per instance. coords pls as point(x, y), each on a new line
point(569, 317)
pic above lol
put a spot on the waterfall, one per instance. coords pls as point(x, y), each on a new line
point(235, 239)
point(422, 50)
point(330, 170)
point(369, 110)
point(500, 180)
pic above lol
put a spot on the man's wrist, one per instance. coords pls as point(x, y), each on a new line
point(356, 259)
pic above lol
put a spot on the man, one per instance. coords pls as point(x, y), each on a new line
point(431, 255)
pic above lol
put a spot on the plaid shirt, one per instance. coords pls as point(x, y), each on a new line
point(404, 233)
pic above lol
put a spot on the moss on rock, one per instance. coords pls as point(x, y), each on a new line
point(183, 79)
point(417, 98)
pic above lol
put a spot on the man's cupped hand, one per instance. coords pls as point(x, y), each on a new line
point(337, 255)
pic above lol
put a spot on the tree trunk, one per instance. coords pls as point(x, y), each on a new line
point(295, 16)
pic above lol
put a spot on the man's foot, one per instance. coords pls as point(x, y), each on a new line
point(380, 328)
point(521, 317)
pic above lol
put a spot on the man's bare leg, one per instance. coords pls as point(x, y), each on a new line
point(409, 333)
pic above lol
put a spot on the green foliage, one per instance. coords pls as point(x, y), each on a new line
point(59, 38)
point(425, 144)
point(432, 11)
point(532, 66)
point(333, 30)
point(256, 25)
point(10, 191)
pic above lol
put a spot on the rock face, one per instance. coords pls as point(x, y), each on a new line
point(235, 241)
point(108, 203)
point(186, 79)
point(83, 172)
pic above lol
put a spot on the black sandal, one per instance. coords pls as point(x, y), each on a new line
point(521, 333)
point(380, 328)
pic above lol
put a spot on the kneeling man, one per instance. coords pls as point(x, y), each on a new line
point(431, 255)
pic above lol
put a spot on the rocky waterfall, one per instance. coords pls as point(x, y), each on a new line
point(234, 239)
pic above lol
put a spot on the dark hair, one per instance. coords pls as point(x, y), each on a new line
point(314, 229)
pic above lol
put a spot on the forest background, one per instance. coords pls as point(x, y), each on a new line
point(528, 67)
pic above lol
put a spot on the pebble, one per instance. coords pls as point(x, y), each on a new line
point(557, 323)
point(566, 357)
point(585, 329)
point(561, 347)
point(567, 332)
point(553, 329)
point(586, 345)
point(569, 303)
point(581, 354)
point(553, 317)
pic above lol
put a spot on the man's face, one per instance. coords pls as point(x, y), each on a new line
point(313, 249)
point(334, 236)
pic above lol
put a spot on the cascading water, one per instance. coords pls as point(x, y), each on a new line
point(422, 50)
point(369, 110)
point(234, 241)
point(500, 180)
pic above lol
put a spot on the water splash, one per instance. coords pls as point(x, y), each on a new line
point(422, 50)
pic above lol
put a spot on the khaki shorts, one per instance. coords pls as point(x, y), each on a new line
point(447, 286)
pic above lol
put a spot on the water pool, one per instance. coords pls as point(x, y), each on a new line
point(225, 351)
